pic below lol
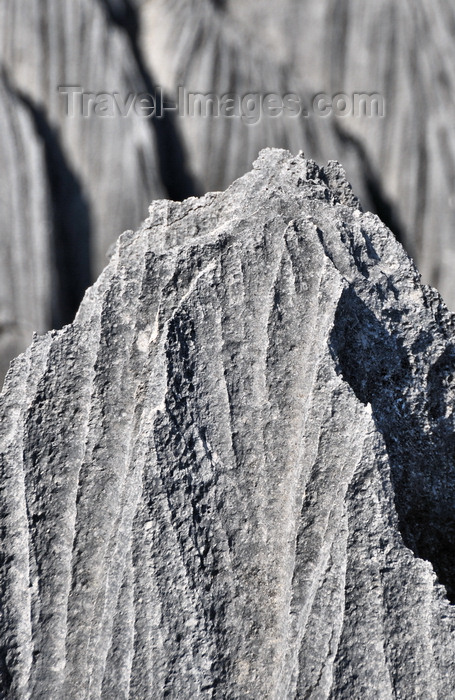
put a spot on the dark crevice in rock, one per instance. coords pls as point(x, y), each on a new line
point(376, 366)
point(124, 15)
point(5, 675)
point(71, 223)
point(372, 181)
point(219, 4)
point(174, 173)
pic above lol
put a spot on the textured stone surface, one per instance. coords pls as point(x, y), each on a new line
point(106, 171)
point(406, 53)
point(402, 165)
point(191, 43)
point(232, 476)
point(98, 174)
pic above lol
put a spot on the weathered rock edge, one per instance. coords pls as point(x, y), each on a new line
point(232, 476)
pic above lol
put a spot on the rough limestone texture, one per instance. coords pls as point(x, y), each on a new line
point(405, 52)
point(70, 184)
point(402, 164)
point(101, 172)
point(233, 475)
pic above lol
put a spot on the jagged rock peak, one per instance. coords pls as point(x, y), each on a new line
point(233, 476)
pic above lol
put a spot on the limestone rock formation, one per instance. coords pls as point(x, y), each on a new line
point(233, 475)
point(62, 43)
point(402, 165)
point(107, 170)
point(97, 173)
point(405, 52)
point(192, 44)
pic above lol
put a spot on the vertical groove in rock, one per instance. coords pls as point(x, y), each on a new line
point(25, 264)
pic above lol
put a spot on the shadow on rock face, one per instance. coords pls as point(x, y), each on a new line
point(174, 172)
point(71, 224)
point(418, 435)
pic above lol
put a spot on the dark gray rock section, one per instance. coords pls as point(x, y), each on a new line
point(232, 476)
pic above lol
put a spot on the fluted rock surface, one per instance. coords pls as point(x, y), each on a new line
point(107, 169)
point(98, 169)
point(25, 231)
point(404, 52)
point(402, 164)
point(232, 476)
point(60, 43)
point(192, 44)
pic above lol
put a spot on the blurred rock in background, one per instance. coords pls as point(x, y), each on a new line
point(71, 184)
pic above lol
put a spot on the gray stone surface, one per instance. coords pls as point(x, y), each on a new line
point(402, 165)
point(194, 45)
point(71, 184)
point(106, 171)
point(233, 476)
point(25, 230)
point(66, 43)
